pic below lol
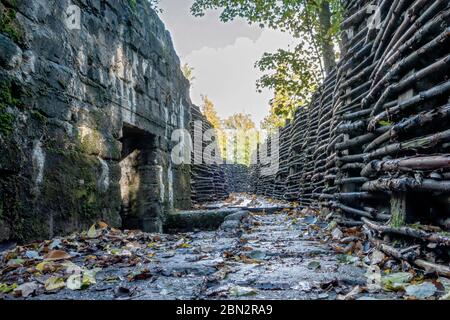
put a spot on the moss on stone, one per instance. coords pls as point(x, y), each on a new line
point(133, 3)
point(7, 100)
point(6, 121)
point(90, 143)
point(72, 185)
point(397, 221)
point(9, 26)
point(97, 117)
point(39, 116)
point(6, 95)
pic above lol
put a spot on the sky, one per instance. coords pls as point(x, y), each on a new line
point(223, 56)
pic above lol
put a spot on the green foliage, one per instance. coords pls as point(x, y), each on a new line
point(242, 124)
point(294, 80)
point(209, 111)
point(7, 100)
point(292, 73)
point(8, 25)
point(6, 121)
point(239, 121)
point(245, 137)
point(153, 4)
point(188, 72)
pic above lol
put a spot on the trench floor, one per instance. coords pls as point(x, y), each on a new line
point(283, 255)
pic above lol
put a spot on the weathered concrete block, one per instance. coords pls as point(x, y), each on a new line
point(68, 96)
point(200, 219)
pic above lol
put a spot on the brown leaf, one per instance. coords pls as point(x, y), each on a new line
point(139, 275)
point(56, 255)
point(102, 225)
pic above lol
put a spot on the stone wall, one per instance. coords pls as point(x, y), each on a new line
point(374, 142)
point(76, 106)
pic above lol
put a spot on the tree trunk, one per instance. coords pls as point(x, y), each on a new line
point(328, 54)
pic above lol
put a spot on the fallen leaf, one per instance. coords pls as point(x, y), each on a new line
point(153, 245)
point(89, 277)
point(45, 267)
point(314, 265)
point(74, 282)
point(396, 281)
point(445, 283)
point(347, 259)
point(239, 291)
point(92, 232)
point(56, 255)
point(7, 288)
point(421, 291)
point(56, 244)
point(54, 284)
point(247, 260)
point(337, 234)
point(15, 262)
point(352, 294)
point(133, 246)
point(112, 278)
point(257, 254)
point(102, 225)
point(323, 296)
point(377, 257)
point(445, 297)
point(72, 267)
point(31, 254)
point(139, 275)
point(26, 289)
point(182, 244)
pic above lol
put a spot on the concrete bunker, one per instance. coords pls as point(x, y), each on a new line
point(142, 180)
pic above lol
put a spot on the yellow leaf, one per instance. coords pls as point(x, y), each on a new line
point(54, 284)
point(41, 266)
point(92, 233)
point(5, 288)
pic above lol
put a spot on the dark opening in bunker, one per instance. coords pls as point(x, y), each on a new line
point(141, 185)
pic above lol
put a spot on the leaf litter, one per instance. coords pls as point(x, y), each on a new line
point(105, 257)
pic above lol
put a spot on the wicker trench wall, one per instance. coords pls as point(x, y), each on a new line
point(375, 140)
point(208, 182)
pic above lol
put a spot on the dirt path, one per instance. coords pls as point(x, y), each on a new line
point(252, 256)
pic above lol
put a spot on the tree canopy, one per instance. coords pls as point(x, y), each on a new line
point(209, 111)
point(293, 73)
point(237, 135)
point(188, 72)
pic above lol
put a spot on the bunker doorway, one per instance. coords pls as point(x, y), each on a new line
point(141, 182)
